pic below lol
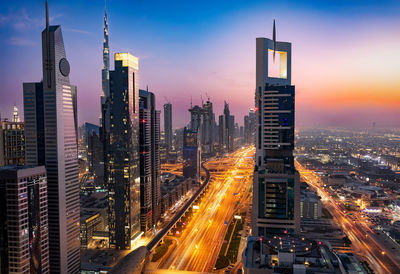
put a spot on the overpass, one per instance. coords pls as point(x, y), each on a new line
point(135, 261)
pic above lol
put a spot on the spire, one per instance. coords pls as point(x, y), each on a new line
point(47, 16)
point(274, 39)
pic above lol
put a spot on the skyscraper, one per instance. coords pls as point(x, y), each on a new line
point(207, 128)
point(122, 151)
point(105, 72)
point(12, 141)
point(276, 190)
point(226, 130)
point(24, 235)
point(168, 125)
point(191, 154)
point(50, 135)
point(150, 195)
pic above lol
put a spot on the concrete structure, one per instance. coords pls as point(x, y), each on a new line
point(150, 192)
point(51, 140)
point(12, 142)
point(168, 125)
point(24, 245)
point(276, 188)
point(122, 151)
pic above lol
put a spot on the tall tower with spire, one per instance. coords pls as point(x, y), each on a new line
point(50, 134)
point(105, 72)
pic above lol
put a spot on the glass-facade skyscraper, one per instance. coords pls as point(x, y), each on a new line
point(122, 151)
point(276, 189)
point(150, 184)
point(51, 140)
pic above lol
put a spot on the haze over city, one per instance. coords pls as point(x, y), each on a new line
point(345, 61)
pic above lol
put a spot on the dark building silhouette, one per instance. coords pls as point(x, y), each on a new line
point(191, 154)
point(121, 168)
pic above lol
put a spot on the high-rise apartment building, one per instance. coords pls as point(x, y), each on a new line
point(24, 239)
point(51, 140)
point(121, 166)
point(12, 141)
point(276, 188)
point(150, 188)
point(168, 125)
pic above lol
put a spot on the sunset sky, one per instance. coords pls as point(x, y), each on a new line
point(346, 54)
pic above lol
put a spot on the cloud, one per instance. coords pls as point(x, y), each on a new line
point(20, 41)
point(19, 20)
point(78, 31)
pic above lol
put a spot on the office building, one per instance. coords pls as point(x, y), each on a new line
point(191, 154)
point(121, 165)
point(276, 188)
point(24, 235)
point(51, 140)
point(168, 126)
point(12, 141)
point(150, 195)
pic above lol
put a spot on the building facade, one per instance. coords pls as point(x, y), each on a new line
point(276, 188)
point(121, 168)
point(168, 126)
point(51, 140)
point(24, 235)
point(12, 143)
point(151, 126)
point(191, 154)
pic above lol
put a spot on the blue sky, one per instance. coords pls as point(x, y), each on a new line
point(189, 48)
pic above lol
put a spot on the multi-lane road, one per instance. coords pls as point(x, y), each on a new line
point(364, 240)
point(199, 243)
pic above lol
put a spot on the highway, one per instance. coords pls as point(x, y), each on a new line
point(199, 244)
point(363, 239)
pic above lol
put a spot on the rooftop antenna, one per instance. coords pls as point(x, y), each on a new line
point(47, 16)
point(201, 97)
point(147, 88)
point(191, 103)
point(208, 97)
point(274, 39)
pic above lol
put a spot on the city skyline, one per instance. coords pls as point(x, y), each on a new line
point(356, 47)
